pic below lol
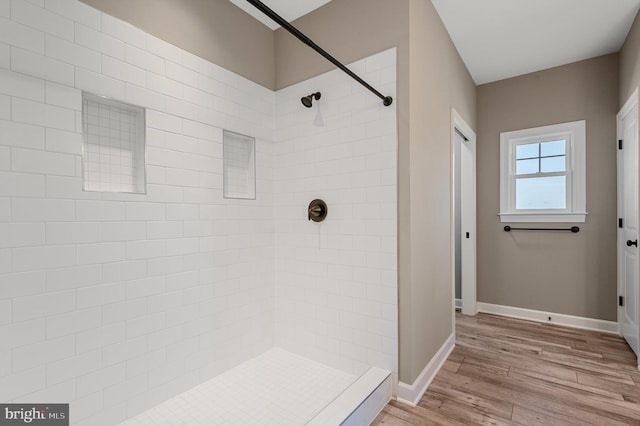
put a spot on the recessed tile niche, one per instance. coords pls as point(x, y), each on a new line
point(113, 154)
point(239, 154)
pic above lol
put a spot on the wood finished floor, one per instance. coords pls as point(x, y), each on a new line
point(510, 372)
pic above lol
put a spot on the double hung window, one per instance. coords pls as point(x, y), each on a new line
point(542, 174)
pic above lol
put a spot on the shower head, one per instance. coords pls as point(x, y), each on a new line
point(308, 100)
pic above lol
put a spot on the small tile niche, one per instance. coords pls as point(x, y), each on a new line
point(113, 145)
point(239, 153)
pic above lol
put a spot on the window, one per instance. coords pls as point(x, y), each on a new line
point(542, 174)
point(239, 166)
point(113, 146)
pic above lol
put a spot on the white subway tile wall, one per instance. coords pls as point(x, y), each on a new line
point(116, 302)
point(337, 280)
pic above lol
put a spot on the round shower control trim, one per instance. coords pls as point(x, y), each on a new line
point(317, 210)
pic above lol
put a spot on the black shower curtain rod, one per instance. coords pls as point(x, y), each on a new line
point(387, 100)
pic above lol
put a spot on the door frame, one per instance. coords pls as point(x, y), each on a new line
point(624, 111)
point(468, 209)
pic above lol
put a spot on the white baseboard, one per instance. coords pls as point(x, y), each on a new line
point(458, 303)
point(559, 319)
point(411, 394)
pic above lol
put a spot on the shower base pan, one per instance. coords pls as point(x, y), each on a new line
point(277, 388)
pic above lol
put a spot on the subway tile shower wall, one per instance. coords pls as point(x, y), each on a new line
point(116, 302)
point(336, 286)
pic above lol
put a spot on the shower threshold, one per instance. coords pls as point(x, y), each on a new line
point(276, 388)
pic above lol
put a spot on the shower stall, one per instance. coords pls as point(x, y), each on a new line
point(201, 292)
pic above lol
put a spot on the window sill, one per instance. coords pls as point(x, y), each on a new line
point(542, 217)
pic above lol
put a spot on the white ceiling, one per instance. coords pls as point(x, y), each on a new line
point(288, 9)
point(499, 39)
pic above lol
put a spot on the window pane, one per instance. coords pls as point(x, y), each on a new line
point(541, 193)
point(553, 164)
point(525, 167)
point(548, 149)
point(531, 150)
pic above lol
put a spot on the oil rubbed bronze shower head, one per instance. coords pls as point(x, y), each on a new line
point(308, 100)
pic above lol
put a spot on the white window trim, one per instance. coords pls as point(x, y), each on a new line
point(575, 134)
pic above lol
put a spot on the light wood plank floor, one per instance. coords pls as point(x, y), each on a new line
point(511, 372)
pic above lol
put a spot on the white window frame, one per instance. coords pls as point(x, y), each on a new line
point(575, 134)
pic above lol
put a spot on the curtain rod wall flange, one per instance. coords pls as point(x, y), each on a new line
point(386, 100)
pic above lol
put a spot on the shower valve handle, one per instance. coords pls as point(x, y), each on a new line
point(317, 210)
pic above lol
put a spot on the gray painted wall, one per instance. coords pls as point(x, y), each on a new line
point(439, 80)
point(215, 30)
point(630, 63)
point(340, 28)
point(572, 274)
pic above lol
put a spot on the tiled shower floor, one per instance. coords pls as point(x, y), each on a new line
point(276, 388)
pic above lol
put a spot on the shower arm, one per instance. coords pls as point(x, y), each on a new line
point(387, 100)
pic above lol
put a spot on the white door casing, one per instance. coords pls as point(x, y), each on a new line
point(628, 255)
point(467, 208)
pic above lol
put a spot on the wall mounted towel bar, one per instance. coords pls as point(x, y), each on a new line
point(573, 229)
